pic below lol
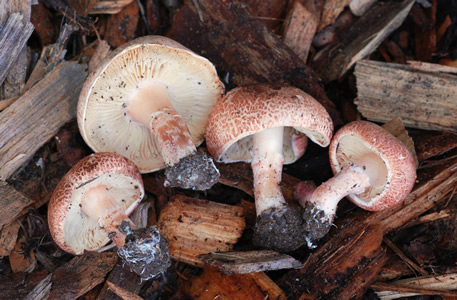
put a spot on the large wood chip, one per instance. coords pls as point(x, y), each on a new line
point(12, 204)
point(36, 117)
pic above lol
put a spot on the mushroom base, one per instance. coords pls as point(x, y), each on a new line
point(281, 229)
point(196, 171)
point(145, 251)
point(317, 223)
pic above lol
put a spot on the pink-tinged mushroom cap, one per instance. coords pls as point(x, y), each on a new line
point(396, 171)
point(250, 109)
point(72, 229)
point(139, 79)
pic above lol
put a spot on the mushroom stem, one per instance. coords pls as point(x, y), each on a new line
point(172, 135)
point(267, 166)
point(354, 178)
point(98, 204)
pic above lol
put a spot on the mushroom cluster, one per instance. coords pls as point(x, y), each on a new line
point(372, 168)
point(149, 101)
point(90, 206)
point(268, 126)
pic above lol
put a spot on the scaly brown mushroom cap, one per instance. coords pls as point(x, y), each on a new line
point(396, 164)
point(70, 227)
point(153, 71)
point(250, 109)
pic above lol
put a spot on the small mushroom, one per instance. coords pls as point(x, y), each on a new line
point(372, 168)
point(149, 101)
point(268, 126)
point(90, 207)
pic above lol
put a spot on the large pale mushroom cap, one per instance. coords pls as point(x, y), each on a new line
point(396, 168)
point(190, 80)
point(250, 109)
point(70, 228)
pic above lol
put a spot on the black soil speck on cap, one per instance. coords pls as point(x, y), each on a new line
point(196, 171)
point(280, 229)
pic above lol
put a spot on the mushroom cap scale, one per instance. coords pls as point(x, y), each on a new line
point(190, 81)
point(396, 169)
point(70, 228)
point(249, 109)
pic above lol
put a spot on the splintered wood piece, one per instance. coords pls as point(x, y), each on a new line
point(102, 51)
point(19, 285)
point(213, 284)
point(430, 67)
point(122, 277)
point(352, 247)
point(123, 293)
point(440, 285)
point(13, 36)
point(22, 260)
point(81, 274)
point(270, 13)
point(7, 102)
point(120, 27)
point(398, 130)
point(331, 10)
point(36, 117)
point(432, 143)
point(41, 290)
point(425, 31)
point(8, 237)
point(12, 204)
point(300, 26)
point(360, 39)
point(242, 262)
point(251, 53)
point(421, 99)
point(109, 6)
point(193, 227)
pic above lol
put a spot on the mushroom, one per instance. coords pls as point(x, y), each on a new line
point(372, 168)
point(149, 101)
point(90, 206)
point(268, 126)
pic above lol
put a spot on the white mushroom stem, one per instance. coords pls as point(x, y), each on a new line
point(98, 204)
point(266, 166)
point(354, 178)
point(150, 106)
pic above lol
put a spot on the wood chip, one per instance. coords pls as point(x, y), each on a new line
point(8, 238)
point(41, 290)
point(109, 6)
point(331, 10)
point(360, 39)
point(124, 278)
point(22, 259)
point(13, 37)
point(12, 204)
point(421, 99)
point(19, 285)
point(243, 262)
point(123, 293)
point(81, 274)
point(36, 117)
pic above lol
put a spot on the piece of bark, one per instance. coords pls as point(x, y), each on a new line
point(268, 286)
point(251, 53)
point(44, 23)
point(300, 27)
point(269, 13)
point(22, 259)
point(430, 67)
point(194, 226)
point(425, 31)
point(122, 293)
point(360, 39)
point(243, 262)
point(440, 285)
point(398, 130)
point(329, 270)
point(331, 11)
point(102, 51)
point(8, 238)
point(19, 285)
point(45, 260)
point(421, 99)
point(109, 6)
point(83, 7)
point(404, 258)
point(36, 117)
point(120, 27)
point(213, 284)
point(123, 278)
point(13, 36)
point(41, 290)
point(81, 274)
point(12, 204)
point(359, 7)
point(432, 143)
point(330, 33)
